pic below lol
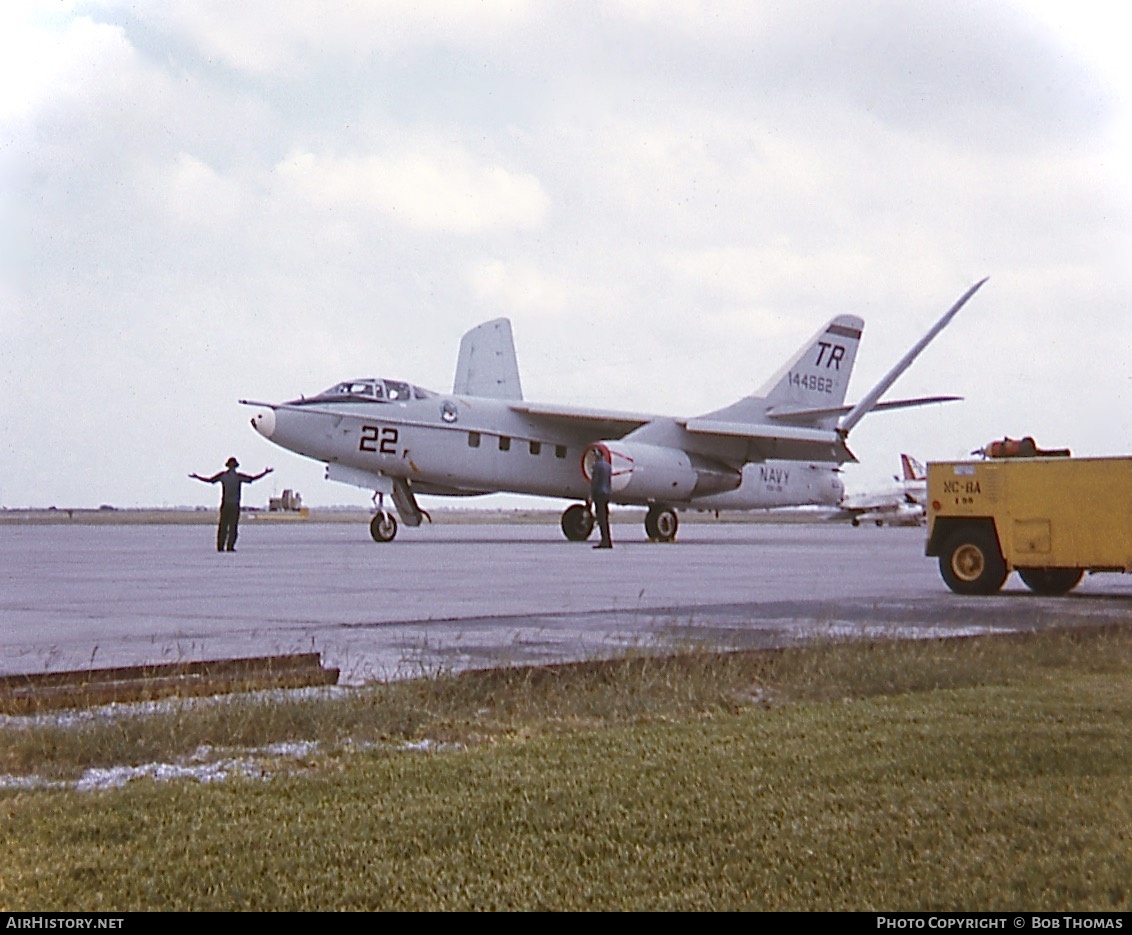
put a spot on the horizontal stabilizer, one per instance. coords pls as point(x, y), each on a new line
point(805, 416)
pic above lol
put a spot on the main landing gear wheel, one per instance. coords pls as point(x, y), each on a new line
point(383, 527)
point(661, 523)
point(1051, 581)
point(577, 523)
point(971, 563)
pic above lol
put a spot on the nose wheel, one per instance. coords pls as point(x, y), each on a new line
point(383, 527)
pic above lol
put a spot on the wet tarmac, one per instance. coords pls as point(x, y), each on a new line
point(450, 597)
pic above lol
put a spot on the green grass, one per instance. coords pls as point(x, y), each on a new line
point(965, 774)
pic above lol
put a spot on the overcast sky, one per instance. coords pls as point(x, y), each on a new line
point(203, 201)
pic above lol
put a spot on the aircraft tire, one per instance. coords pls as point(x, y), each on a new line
point(971, 562)
point(661, 523)
point(383, 527)
point(577, 523)
point(1052, 582)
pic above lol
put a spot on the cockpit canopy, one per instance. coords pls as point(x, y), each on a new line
point(370, 390)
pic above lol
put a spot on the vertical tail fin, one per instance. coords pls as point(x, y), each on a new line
point(815, 378)
point(487, 365)
point(818, 375)
point(913, 469)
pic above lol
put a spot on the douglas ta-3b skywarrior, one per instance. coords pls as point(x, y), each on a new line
point(778, 447)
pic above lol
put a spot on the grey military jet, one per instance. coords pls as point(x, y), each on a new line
point(779, 447)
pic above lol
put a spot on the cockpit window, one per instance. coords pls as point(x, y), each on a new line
point(354, 389)
point(398, 391)
point(369, 390)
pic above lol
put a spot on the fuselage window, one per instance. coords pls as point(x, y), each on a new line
point(504, 443)
point(473, 439)
point(536, 448)
point(560, 451)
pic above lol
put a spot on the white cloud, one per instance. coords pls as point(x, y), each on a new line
point(768, 276)
point(263, 37)
point(194, 194)
point(520, 287)
point(443, 190)
point(45, 57)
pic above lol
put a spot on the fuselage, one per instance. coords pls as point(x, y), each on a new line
point(448, 444)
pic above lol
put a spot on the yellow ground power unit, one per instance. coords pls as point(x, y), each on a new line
point(1051, 519)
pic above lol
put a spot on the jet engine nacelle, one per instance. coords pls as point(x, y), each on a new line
point(645, 473)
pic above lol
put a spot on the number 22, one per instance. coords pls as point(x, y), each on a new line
point(378, 440)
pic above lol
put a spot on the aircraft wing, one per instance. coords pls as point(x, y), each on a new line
point(604, 423)
point(870, 401)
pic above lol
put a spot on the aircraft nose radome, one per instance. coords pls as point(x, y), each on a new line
point(264, 422)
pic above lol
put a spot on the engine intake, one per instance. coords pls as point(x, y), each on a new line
point(644, 473)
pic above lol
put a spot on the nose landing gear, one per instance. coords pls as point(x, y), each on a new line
point(383, 526)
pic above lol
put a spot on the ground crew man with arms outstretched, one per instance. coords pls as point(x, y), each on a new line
point(231, 481)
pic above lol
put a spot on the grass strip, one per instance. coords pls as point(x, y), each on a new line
point(968, 774)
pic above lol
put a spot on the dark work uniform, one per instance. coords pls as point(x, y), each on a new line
point(231, 481)
point(601, 487)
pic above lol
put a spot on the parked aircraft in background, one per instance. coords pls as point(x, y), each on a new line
point(901, 504)
point(774, 448)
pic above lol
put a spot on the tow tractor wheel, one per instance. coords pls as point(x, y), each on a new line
point(971, 562)
point(1051, 581)
point(661, 523)
point(577, 523)
point(383, 527)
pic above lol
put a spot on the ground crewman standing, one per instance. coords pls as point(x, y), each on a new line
point(601, 488)
point(231, 481)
